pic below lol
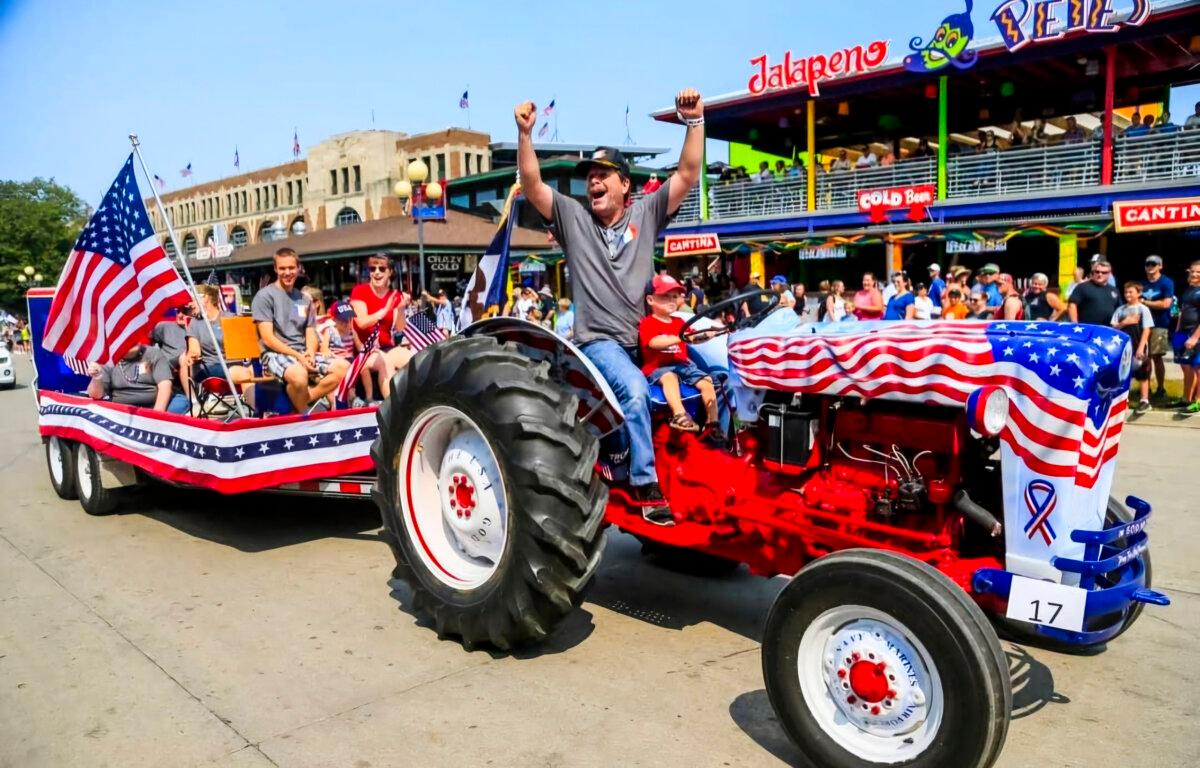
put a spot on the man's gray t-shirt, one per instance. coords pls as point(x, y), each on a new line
point(136, 382)
point(198, 330)
point(289, 313)
point(171, 338)
point(610, 268)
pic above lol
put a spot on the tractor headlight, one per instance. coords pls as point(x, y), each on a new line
point(987, 411)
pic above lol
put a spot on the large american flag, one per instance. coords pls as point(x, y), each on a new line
point(117, 281)
point(1066, 405)
point(421, 331)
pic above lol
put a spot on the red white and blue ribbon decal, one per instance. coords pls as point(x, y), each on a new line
point(1040, 500)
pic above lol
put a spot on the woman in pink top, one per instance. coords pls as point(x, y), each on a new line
point(868, 303)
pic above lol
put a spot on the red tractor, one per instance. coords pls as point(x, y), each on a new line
point(915, 479)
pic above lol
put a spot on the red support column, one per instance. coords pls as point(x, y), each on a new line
point(1110, 81)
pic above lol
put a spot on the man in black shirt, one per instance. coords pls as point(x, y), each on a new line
point(1094, 301)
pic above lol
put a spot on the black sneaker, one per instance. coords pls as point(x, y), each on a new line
point(654, 506)
point(1142, 407)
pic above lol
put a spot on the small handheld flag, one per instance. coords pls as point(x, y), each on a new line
point(186, 171)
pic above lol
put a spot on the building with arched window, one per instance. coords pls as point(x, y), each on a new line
point(345, 179)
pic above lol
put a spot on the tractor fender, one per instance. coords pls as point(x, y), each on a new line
point(598, 405)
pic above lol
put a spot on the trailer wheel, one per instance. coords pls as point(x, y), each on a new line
point(872, 658)
point(1025, 633)
point(60, 461)
point(487, 492)
point(93, 496)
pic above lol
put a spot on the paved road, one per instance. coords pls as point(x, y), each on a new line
point(195, 629)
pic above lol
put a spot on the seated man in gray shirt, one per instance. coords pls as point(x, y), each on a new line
point(142, 377)
point(609, 245)
point(287, 333)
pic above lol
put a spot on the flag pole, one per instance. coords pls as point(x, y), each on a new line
point(187, 273)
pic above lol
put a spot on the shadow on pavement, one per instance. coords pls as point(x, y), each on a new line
point(254, 522)
point(1032, 683)
point(752, 712)
point(641, 588)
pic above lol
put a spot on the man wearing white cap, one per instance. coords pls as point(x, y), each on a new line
point(936, 286)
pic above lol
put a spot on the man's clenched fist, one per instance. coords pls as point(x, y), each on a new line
point(525, 114)
point(689, 105)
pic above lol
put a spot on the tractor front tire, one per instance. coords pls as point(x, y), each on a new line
point(488, 493)
point(872, 658)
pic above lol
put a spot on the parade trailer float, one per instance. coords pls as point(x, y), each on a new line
point(919, 483)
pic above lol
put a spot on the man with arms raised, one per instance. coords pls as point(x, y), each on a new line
point(609, 244)
point(287, 331)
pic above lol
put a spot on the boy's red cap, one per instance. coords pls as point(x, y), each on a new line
point(664, 284)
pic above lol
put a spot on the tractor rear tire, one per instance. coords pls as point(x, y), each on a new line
point(475, 427)
point(1022, 632)
point(872, 658)
point(60, 462)
point(93, 496)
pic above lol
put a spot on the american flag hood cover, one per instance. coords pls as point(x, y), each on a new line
point(1068, 394)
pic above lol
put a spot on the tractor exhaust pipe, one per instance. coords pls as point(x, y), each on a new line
point(977, 514)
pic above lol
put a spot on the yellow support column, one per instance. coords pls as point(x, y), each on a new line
point(757, 264)
point(812, 154)
point(1068, 258)
point(895, 254)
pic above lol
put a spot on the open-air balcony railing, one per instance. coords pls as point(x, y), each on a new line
point(1019, 172)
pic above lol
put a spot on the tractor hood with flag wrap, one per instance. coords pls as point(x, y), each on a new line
point(1067, 388)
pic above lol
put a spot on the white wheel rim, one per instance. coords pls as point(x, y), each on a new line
point(452, 498)
point(885, 714)
point(83, 471)
point(57, 470)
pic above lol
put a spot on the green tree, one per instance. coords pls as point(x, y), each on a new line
point(39, 221)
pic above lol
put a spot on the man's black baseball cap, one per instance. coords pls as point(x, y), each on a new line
point(608, 157)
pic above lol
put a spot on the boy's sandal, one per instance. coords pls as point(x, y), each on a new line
point(684, 423)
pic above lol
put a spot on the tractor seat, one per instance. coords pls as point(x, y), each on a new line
point(691, 401)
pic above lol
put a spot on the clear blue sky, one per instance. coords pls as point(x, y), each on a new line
point(197, 79)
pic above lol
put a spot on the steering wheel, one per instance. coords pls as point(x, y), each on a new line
point(714, 312)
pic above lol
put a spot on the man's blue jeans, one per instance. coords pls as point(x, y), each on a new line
point(633, 393)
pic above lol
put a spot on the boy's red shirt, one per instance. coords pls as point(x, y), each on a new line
point(653, 359)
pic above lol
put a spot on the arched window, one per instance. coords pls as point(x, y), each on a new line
point(189, 245)
point(238, 237)
point(169, 247)
point(346, 216)
point(207, 237)
point(268, 232)
point(298, 226)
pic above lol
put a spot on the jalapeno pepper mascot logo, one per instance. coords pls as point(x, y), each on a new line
point(948, 46)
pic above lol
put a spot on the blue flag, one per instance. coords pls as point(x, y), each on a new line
point(486, 287)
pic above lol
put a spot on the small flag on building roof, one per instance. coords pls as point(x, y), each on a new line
point(237, 160)
point(159, 182)
point(186, 171)
point(549, 108)
point(542, 131)
point(295, 143)
point(464, 102)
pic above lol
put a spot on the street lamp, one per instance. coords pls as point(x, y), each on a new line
point(29, 271)
point(415, 189)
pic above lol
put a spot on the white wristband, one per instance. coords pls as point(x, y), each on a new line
point(691, 122)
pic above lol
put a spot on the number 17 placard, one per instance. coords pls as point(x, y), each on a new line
point(1044, 602)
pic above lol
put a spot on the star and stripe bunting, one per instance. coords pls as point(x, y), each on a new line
point(235, 457)
point(1066, 405)
point(116, 283)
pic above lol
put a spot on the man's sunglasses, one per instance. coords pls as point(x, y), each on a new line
point(376, 268)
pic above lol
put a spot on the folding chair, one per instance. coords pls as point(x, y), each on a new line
point(213, 396)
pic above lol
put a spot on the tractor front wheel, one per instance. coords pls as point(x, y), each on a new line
point(487, 491)
point(871, 658)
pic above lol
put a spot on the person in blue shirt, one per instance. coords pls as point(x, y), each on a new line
point(937, 285)
point(987, 285)
point(1158, 294)
point(901, 306)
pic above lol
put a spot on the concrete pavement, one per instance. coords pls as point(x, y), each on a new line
point(193, 629)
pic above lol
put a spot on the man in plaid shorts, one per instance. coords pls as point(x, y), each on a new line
point(287, 334)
